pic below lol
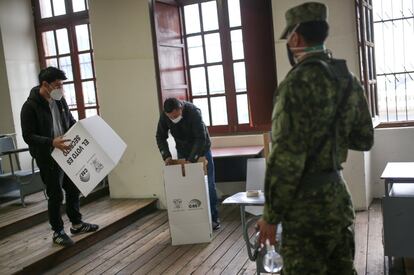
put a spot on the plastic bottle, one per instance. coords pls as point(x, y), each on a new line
point(272, 261)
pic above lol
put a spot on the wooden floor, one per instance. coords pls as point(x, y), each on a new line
point(15, 218)
point(144, 248)
point(12, 211)
point(32, 249)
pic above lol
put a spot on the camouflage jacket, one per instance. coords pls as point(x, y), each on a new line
point(305, 108)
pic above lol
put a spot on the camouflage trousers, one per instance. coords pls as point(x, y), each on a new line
point(318, 253)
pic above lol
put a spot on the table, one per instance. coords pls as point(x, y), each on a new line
point(242, 201)
point(398, 210)
point(239, 151)
point(231, 162)
point(400, 172)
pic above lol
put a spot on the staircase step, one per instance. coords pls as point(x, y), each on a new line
point(32, 251)
point(15, 218)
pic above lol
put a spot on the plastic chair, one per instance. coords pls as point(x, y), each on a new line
point(27, 181)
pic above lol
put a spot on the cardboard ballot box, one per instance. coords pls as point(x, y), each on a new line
point(95, 149)
point(188, 204)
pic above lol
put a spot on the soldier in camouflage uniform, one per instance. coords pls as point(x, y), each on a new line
point(320, 112)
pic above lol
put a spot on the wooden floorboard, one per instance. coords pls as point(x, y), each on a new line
point(220, 252)
point(13, 210)
point(32, 250)
point(133, 267)
point(361, 236)
point(132, 246)
point(91, 258)
point(375, 253)
point(144, 247)
point(14, 217)
point(218, 266)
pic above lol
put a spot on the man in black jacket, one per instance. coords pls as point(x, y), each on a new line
point(45, 117)
point(192, 141)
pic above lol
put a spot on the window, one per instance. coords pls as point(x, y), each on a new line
point(207, 64)
point(367, 52)
point(387, 72)
point(64, 41)
point(394, 39)
point(219, 55)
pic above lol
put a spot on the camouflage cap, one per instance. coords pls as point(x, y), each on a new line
point(310, 11)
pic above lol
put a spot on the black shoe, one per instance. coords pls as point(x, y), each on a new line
point(84, 228)
point(62, 239)
point(216, 225)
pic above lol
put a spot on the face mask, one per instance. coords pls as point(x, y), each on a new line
point(291, 57)
point(177, 119)
point(56, 94)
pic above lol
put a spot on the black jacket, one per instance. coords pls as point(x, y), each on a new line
point(37, 125)
point(190, 134)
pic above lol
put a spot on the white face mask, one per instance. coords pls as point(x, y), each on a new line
point(56, 94)
point(177, 119)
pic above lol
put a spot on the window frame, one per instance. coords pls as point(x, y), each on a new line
point(261, 108)
point(68, 21)
point(233, 127)
point(259, 121)
point(365, 39)
point(365, 35)
point(226, 62)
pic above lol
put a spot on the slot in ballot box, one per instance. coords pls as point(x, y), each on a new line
point(95, 149)
point(188, 204)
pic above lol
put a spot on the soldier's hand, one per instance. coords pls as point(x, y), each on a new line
point(168, 161)
point(60, 143)
point(267, 231)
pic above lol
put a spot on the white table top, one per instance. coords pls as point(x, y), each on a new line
point(398, 170)
point(241, 199)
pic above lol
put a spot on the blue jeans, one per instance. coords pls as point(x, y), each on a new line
point(211, 185)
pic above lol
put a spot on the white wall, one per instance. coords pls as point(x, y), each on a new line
point(6, 115)
point(232, 141)
point(391, 145)
point(342, 41)
point(127, 92)
point(21, 60)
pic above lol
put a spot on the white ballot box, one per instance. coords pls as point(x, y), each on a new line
point(95, 149)
point(188, 204)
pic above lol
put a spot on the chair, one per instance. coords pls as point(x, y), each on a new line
point(255, 177)
point(27, 181)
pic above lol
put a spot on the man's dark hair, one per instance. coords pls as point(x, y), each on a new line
point(172, 103)
point(314, 32)
point(51, 74)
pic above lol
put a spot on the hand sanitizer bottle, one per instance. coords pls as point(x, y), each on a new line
point(272, 261)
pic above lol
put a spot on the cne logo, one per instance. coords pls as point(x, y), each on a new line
point(84, 175)
point(98, 165)
point(194, 204)
point(178, 203)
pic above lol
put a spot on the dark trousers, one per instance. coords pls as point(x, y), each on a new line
point(319, 253)
point(55, 179)
point(211, 184)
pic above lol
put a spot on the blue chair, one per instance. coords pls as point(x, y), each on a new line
point(26, 181)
